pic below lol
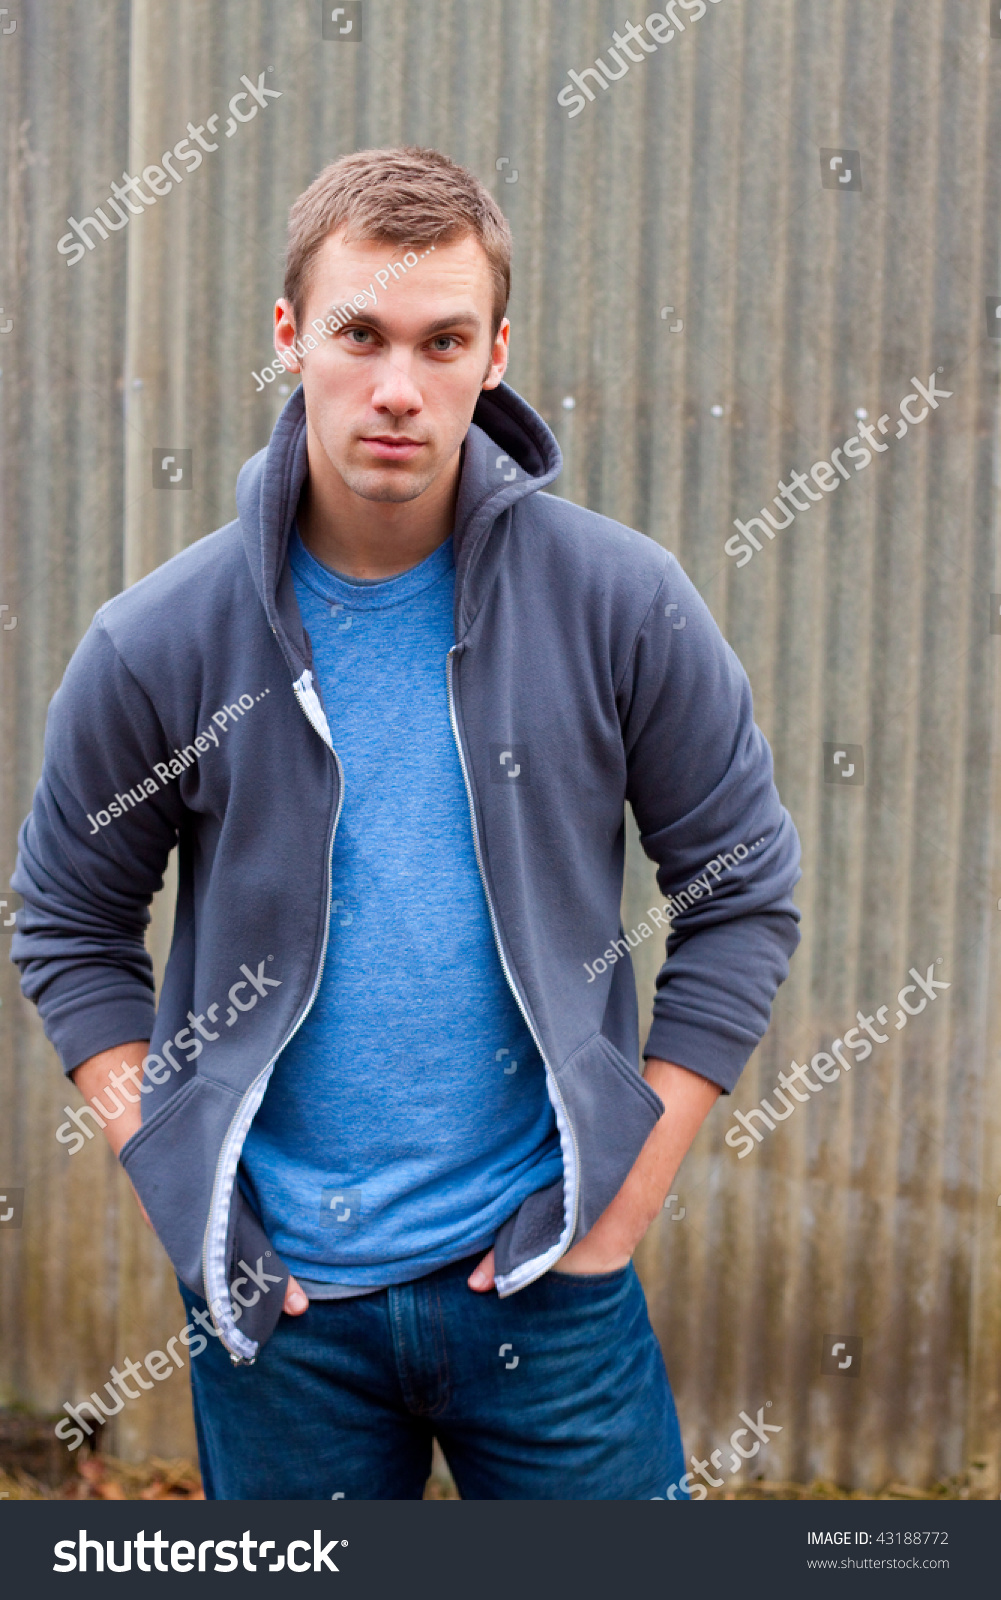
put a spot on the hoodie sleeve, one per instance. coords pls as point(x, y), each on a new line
point(701, 788)
point(80, 939)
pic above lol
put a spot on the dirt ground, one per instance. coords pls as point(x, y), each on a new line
point(34, 1465)
point(101, 1477)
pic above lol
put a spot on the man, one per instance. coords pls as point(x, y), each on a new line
point(388, 1120)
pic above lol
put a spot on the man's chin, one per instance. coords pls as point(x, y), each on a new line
point(392, 484)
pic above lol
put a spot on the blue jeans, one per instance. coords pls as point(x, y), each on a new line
point(558, 1392)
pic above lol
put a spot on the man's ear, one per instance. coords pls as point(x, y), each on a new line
point(497, 361)
point(285, 335)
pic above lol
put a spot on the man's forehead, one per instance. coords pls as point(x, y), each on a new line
point(352, 271)
point(345, 259)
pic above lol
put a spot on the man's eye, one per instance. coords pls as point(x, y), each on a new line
point(358, 334)
point(443, 343)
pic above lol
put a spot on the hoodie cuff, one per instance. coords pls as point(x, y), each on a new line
point(713, 1053)
point(82, 1034)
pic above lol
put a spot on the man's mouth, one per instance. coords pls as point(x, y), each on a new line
point(391, 447)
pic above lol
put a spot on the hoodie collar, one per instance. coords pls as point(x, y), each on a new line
point(509, 454)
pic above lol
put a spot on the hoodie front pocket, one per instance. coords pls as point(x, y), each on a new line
point(612, 1109)
point(171, 1162)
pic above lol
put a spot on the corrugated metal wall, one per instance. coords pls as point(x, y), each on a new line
point(693, 183)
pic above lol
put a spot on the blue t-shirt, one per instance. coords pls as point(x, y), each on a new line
point(409, 1116)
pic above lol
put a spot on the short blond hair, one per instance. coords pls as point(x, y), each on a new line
point(404, 196)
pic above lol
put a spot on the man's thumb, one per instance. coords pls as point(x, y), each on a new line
point(295, 1299)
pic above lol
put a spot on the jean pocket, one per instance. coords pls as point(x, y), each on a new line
point(597, 1278)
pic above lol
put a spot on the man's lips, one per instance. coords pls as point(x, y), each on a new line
point(391, 447)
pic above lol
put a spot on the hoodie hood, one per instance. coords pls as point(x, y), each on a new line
point(508, 453)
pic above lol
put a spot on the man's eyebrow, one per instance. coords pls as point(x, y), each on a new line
point(461, 319)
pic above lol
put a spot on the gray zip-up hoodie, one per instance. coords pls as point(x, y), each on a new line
point(586, 672)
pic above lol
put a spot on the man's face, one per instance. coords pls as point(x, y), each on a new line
point(390, 396)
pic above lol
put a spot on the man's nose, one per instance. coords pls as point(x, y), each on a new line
point(395, 389)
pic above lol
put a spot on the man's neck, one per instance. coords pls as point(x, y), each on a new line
point(373, 538)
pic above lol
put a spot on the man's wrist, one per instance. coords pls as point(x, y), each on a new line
point(591, 1261)
point(608, 1246)
point(611, 1241)
point(112, 1081)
